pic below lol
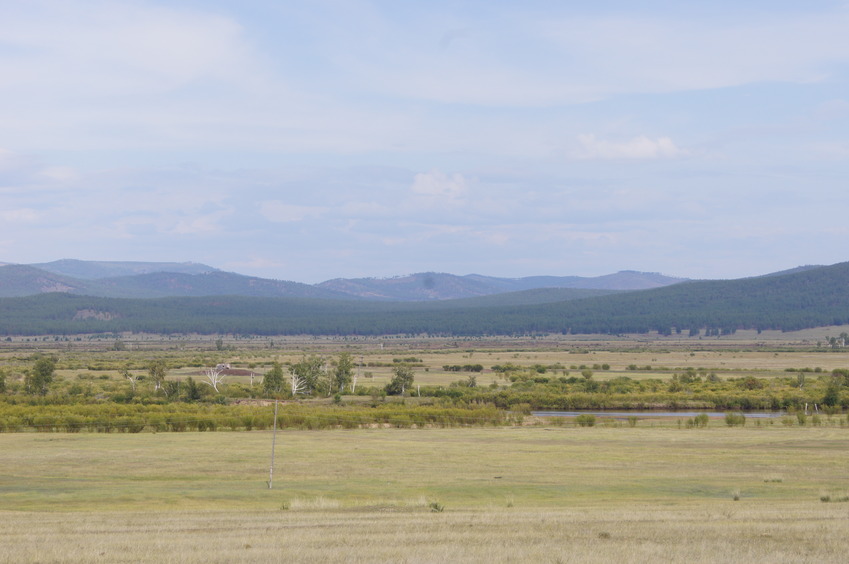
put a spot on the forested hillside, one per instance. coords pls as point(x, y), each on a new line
point(816, 297)
point(440, 286)
point(94, 269)
point(126, 279)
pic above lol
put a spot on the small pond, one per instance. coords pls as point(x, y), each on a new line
point(646, 414)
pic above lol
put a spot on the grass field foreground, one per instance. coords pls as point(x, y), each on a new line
point(505, 494)
point(713, 532)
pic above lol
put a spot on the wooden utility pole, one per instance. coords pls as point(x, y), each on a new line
point(273, 441)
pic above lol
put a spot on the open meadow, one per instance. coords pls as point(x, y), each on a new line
point(404, 486)
point(770, 353)
point(538, 493)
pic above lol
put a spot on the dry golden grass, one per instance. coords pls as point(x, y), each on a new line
point(643, 494)
point(460, 468)
point(559, 494)
point(715, 532)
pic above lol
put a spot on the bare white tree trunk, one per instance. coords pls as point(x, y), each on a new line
point(298, 384)
point(214, 377)
point(356, 377)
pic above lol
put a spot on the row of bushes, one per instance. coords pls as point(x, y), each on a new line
point(193, 417)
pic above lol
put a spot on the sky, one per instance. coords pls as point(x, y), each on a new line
point(313, 140)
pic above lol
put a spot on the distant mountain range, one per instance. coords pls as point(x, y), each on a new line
point(439, 286)
point(94, 270)
point(803, 298)
point(125, 279)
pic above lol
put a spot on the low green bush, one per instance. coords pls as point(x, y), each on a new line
point(735, 419)
point(585, 420)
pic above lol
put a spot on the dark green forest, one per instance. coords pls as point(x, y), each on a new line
point(798, 300)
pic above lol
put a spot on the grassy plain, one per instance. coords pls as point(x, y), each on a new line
point(733, 356)
point(548, 494)
point(663, 363)
point(542, 493)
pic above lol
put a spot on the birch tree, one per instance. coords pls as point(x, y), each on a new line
point(214, 377)
point(299, 386)
point(308, 375)
point(157, 369)
point(402, 380)
point(342, 372)
point(273, 381)
point(40, 376)
point(133, 378)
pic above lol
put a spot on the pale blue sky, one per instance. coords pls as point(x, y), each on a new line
point(313, 140)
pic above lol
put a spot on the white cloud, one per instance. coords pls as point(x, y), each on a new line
point(149, 76)
point(527, 58)
point(11, 161)
point(59, 173)
point(838, 151)
point(637, 148)
point(436, 184)
point(831, 110)
point(281, 212)
point(206, 223)
point(19, 215)
point(656, 53)
point(128, 48)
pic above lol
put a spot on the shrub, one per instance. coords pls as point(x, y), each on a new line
point(585, 420)
point(839, 497)
point(176, 423)
point(133, 424)
point(735, 419)
point(207, 424)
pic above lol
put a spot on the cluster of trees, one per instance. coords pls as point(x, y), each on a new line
point(462, 367)
point(688, 390)
point(311, 376)
point(37, 378)
point(315, 376)
point(838, 342)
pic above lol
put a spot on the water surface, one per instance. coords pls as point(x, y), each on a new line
point(644, 414)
